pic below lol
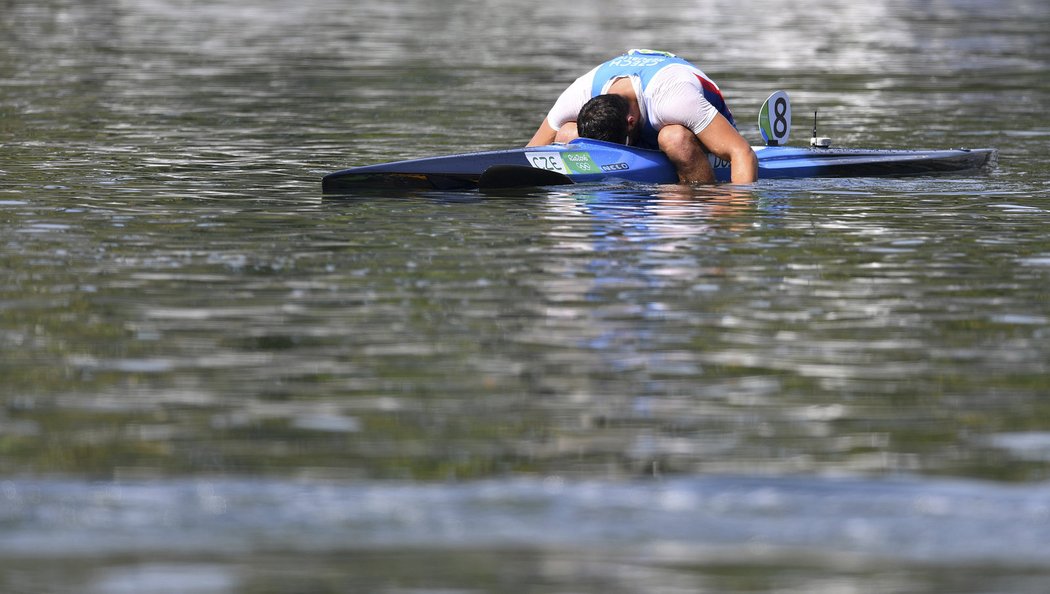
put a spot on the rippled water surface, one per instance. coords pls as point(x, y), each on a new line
point(212, 379)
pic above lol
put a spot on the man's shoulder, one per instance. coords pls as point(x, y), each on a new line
point(678, 71)
point(682, 76)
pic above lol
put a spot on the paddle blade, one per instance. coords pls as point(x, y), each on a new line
point(520, 176)
point(349, 182)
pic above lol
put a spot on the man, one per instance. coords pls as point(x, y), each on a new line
point(655, 100)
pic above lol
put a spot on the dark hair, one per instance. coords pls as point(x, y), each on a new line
point(604, 118)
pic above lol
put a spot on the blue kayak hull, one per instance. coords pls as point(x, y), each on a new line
point(585, 161)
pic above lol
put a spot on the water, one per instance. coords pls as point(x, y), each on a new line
point(214, 380)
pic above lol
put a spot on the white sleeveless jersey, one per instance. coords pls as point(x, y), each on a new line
point(675, 95)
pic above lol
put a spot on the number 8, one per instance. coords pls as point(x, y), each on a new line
point(780, 122)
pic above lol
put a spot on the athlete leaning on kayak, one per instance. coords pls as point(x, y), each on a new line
point(655, 100)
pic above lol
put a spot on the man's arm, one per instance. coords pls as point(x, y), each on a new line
point(681, 101)
point(723, 141)
point(565, 110)
point(546, 134)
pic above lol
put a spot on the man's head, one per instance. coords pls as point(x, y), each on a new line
point(606, 117)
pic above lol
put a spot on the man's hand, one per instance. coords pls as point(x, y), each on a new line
point(722, 139)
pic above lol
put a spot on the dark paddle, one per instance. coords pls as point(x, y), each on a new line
point(520, 176)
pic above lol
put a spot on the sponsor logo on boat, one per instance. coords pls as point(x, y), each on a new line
point(580, 162)
point(567, 162)
point(719, 163)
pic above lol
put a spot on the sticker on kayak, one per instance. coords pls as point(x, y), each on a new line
point(566, 162)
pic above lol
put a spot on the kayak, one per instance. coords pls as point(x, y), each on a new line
point(593, 161)
point(588, 161)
